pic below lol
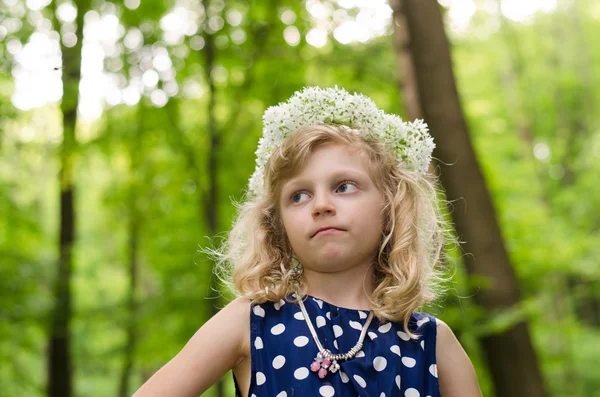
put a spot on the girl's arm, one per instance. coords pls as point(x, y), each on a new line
point(456, 375)
point(220, 344)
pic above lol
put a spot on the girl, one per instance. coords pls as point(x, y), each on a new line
point(331, 255)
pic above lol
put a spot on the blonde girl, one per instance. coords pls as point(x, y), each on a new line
point(333, 252)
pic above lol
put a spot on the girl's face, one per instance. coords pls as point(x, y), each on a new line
point(334, 190)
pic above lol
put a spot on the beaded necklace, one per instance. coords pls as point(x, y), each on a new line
point(325, 359)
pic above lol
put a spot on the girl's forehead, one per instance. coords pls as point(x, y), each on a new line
point(335, 153)
point(336, 173)
point(332, 162)
point(327, 161)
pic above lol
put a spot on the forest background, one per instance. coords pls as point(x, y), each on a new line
point(128, 127)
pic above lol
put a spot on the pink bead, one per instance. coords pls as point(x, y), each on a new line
point(315, 366)
point(322, 373)
point(327, 363)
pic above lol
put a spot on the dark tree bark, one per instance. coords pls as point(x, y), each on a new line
point(135, 219)
point(59, 381)
point(128, 362)
point(510, 354)
point(211, 203)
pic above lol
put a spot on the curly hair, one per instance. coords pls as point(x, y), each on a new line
point(256, 260)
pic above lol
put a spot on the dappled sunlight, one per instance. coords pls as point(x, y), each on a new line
point(37, 62)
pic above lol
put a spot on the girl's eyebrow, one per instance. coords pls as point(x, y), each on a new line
point(348, 174)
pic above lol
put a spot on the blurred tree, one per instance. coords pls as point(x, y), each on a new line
point(59, 352)
point(135, 224)
point(422, 41)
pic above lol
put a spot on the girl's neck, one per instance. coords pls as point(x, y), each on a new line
point(349, 289)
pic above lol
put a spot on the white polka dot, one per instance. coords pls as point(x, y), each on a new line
point(319, 302)
point(423, 344)
point(259, 311)
point(362, 315)
point(344, 377)
point(360, 381)
point(433, 370)
point(278, 329)
point(327, 391)
point(258, 343)
point(320, 321)
point(409, 361)
point(279, 304)
point(395, 349)
point(299, 316)
point(335, 344)
point(328, 315)
point(403, 335)
point(301, 373)
point(379, 363)
point(301, 341)
point(282, 394)
point(253, 395)
point(337, 331)
point(412, 393)
point(372, 335)
point(382, 395)
point(356, 325)
point(260, 378)
point(398, 379)
point(278, 362)
point(422, 321)
point(360, 354)
point(385, 328)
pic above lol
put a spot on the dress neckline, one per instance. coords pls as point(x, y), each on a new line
point(356, 311)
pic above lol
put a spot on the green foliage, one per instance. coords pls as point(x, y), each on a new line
point(527, 90)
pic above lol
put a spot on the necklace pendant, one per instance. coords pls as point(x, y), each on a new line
point(315, 366)
point(317, 363)
point(333, 368)
point(323, 365)
point(322, 373)
point(324, 362)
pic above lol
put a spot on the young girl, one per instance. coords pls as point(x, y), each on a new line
point(331, 255)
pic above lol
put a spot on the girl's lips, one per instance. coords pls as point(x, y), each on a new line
point(327, 231)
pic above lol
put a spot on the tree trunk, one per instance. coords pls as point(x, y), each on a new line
point(510, 354)
point(59, 381)
point(135, 153)
point(134, 232)
point(211, 203)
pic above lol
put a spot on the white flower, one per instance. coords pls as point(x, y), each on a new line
point(410, 142)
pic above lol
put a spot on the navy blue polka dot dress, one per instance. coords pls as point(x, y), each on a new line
point(389, 365)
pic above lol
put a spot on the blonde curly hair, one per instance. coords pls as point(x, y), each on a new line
point(256, 260)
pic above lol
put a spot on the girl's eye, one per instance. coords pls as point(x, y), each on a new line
point(346, 184)
point(295, 197)
point(342, 188)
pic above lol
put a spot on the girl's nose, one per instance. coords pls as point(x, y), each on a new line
point(322, 205)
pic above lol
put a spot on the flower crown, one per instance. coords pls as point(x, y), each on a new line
point(410, 142)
